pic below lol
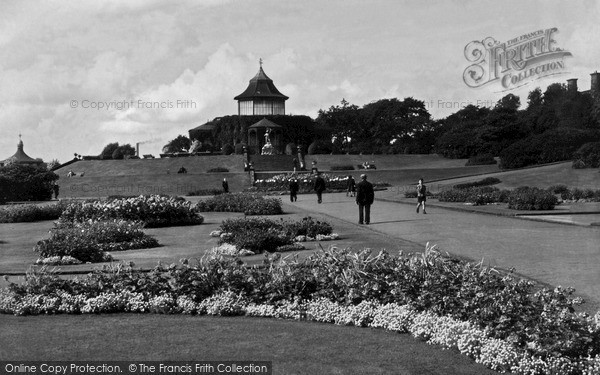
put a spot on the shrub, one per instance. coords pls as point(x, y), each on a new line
point(559, 189)
point(342, 167)
point(218, 170)
point(553, 145)
point(31, 212)
point(475, 195)
point(588, 154)
point(526, 198)
point(239, 148)
point(485, 182)
point(319, 147)
point(227, 149)
point(308, 227)
point(152, 210)
point(89, 241)
point(255, 234)
point(481, 159)
point(250, 204)
point(585, 194)
point(259, 234)
point(20, 182)
point(579, 164)
point(202, 192)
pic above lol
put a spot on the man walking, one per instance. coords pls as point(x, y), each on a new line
point(421, 195)
point(319, 187)
point(364, 199)
point(225, 186)
point(294, 190)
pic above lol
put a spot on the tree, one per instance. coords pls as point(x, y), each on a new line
point(389, 120)
point(180, 144)
point(509, 103)
point(123, 151)
point(20, 182)
point(109, 149)
point(343, 121)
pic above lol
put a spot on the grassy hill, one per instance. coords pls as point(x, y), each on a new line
point(150, 176)
point(541, 176)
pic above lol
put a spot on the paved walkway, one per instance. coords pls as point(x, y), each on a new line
point(552, 253)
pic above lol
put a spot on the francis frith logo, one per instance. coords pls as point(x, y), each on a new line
point(515, 62)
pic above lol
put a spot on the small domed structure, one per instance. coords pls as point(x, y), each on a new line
point(20, 157)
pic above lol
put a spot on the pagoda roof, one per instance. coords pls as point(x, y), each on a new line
point(261, 86)
point(264, 123)
point(21, 157)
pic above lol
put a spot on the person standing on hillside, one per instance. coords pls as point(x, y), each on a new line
point(294, 190)
point(319, 187)
point(225, 186)
point(56, 189)
point(421, 195)
point(365, 195)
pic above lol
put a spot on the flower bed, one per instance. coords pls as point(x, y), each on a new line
point(249, 204)
point(504, 322)
point(217, 170)
point(153, 210)
point(578, 194)
point(21, 213)
point(474, 195)
point(484, 182)
point(526, 198)
point(306, 183)
point(206, 192)
point(259, 235)
point(91, 241)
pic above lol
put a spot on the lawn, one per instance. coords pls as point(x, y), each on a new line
point(294, 347)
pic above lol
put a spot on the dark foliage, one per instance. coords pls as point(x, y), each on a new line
point(20, 182)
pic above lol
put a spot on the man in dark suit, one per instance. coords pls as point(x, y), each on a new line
point(364, 199)
point(319, 187)
point(294, 187)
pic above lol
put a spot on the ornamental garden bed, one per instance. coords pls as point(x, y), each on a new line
point(498, 319)
point(249, 236)
point(89, 231)
point(248, 203)
point(281, 183)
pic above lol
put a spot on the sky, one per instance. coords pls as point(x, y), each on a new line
point(77, 75)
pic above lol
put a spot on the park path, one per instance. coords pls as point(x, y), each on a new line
point(551, 253)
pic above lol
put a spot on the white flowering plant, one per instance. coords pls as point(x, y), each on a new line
point(493, 317)
point(152, 210)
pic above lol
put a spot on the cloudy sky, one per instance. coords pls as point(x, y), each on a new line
point(62, 60)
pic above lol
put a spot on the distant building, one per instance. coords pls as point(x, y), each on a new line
point(20, 157)
point(594, 84)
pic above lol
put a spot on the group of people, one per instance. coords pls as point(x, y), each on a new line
point(73, 174)
point(363, 191)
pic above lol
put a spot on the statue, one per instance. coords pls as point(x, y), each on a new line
point(268, 148)
point(195, 146)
